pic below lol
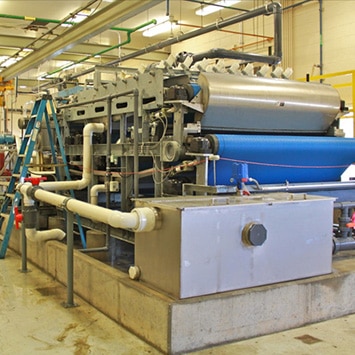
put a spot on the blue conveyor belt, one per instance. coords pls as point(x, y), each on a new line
point(276, 159)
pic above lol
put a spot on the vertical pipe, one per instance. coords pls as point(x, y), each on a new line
point(108, 162)
point(158, 177)
point(268, 9)
point(167, 7)
point(353, 98)
point(70, 261)
point(277, 29)
point(135, 146)
point(23, 246)
point(123, 163)
point(321, 38)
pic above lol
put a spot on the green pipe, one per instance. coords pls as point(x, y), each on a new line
point(39, 19)
point(127, 41)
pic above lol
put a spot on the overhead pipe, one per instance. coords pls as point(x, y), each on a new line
point(271, 8)
point(88, 130)
point(232, 54)
point(59, 23)
point(277, 10)
point(296, 5)
point(267, 38)
point(38, 19)
point(143, 219)
point(101, 21)
point(321, 38)
point(127, 41)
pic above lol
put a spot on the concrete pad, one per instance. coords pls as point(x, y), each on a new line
point(178, 326)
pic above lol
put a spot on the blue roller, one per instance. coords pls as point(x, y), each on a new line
point(276, 159)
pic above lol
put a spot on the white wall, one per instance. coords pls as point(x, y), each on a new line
point(13, 111)
point(301, 38)
point(301, 41)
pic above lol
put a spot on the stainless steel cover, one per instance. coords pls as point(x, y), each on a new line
point(255, 104)
point(201, 247)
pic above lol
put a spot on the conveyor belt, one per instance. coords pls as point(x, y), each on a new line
point(276, 159)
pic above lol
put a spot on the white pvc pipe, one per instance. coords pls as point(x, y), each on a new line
point(141, 219)
point(94, 192)
point(34, 235)
point(88, 130)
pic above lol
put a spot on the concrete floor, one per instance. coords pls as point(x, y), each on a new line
point(33, 320)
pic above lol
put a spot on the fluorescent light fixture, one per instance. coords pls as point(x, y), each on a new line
point(79, 17)
point(209, 9)
point(11, 61)
point(160, 27)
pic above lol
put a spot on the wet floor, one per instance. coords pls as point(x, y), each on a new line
point(34, 321)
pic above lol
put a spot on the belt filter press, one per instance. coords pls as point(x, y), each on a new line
point(242, 173)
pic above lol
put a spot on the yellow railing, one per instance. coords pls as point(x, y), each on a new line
point(346, 74)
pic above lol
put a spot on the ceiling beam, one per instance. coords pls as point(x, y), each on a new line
point(103, 20)
point(11, 44)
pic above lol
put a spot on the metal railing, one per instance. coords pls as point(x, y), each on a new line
point(344, 76)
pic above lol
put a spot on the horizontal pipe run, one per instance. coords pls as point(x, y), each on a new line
point(306, 187)
point(272, 8)
point(346, 204)
point(138, 220)
point(94, 250)
point(341, 244)
point(232, 54)
point(42, 236)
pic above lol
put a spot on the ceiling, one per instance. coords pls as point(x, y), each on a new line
point(27, 28)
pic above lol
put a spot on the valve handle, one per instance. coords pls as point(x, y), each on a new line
point(18, 217)
point(35, 181)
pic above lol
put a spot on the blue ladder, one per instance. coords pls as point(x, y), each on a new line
point(20, 170)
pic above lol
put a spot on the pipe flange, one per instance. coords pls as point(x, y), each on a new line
point(65, 202)
point(147, 218)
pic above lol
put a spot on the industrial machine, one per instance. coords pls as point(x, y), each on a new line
point(221, 176)
point(232, 175)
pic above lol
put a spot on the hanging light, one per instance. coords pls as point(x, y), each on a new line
point(209, 9)
point(161, 27)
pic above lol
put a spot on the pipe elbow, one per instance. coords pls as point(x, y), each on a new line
point(36, 236)
point(82, 183)
point(94, 192)
point(142, 219)
point(273, 8)
point(93, 128)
